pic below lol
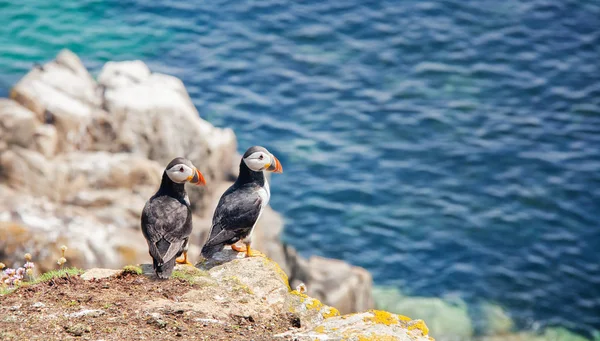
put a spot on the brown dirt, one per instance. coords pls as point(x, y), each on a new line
point(22, 317)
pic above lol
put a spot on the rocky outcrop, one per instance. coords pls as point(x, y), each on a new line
point(231, 285)
point(79, 157)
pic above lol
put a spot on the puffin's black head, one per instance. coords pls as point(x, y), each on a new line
point(181, 170)
point(258, 158)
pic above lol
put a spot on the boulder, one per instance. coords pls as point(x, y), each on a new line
point(62, 93)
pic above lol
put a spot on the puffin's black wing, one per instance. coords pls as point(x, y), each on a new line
point(166, 224)
point(234, 217)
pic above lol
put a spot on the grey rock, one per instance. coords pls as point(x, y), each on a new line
point(157, 320)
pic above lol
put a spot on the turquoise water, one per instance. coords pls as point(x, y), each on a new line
point(451, 147)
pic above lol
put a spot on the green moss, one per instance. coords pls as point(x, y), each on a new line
point(189, 274)
point(238, 286)
point(71, 303)
point(133, 270)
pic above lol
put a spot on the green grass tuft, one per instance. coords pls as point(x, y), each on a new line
point(6, 290)
point(66, 272)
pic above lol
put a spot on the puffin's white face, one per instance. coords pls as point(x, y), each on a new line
point(259, 161)
point(180, 173)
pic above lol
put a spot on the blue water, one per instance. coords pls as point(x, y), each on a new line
point(450, 147)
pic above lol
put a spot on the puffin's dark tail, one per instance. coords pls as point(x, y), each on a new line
point(163, 271)
point(209, 250)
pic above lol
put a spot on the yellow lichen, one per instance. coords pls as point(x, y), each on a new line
point(420, 325)
point(404, 318)
point(331, 313)
point(375, 337)
point(320, 330)
point(314, 304)
point(382, 317)
point(299, 294)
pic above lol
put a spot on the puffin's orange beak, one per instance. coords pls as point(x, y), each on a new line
point(197, 178)
point(275, 166)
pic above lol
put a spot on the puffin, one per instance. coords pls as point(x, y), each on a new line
point(242, 204)
point(167, 217)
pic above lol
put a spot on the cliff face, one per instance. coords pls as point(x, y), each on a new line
point(228, 298)
point(79, 157)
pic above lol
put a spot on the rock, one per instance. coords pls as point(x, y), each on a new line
point(157, 320)
point(122, 74)
point(86, 312)
point(446, 320)
point(18, 125)
point(61, 93)
point(370, 325)
point(77, 329)
point(99, 273)
point(233, 285)
point(344, 286)
point(38, 305)
point(45, 140)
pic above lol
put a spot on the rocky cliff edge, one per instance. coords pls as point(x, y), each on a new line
point(227, 298)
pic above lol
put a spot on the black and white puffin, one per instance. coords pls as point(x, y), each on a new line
point(167, 217)
point(242, 204)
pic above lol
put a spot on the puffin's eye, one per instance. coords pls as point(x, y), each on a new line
point(260, 157)
point(181, 169)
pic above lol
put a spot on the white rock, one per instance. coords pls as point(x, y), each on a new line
point(98, 273)
point(120, 74)
point(38, 305)
point(17, 123)
point(86, 312)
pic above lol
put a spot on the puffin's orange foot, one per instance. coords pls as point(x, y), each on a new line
point(248, 251)
point(238, 248)
point(184, 260)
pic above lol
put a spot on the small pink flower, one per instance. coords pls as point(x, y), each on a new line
point(29, 265)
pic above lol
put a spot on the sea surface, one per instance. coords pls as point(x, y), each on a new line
point(450, 147)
